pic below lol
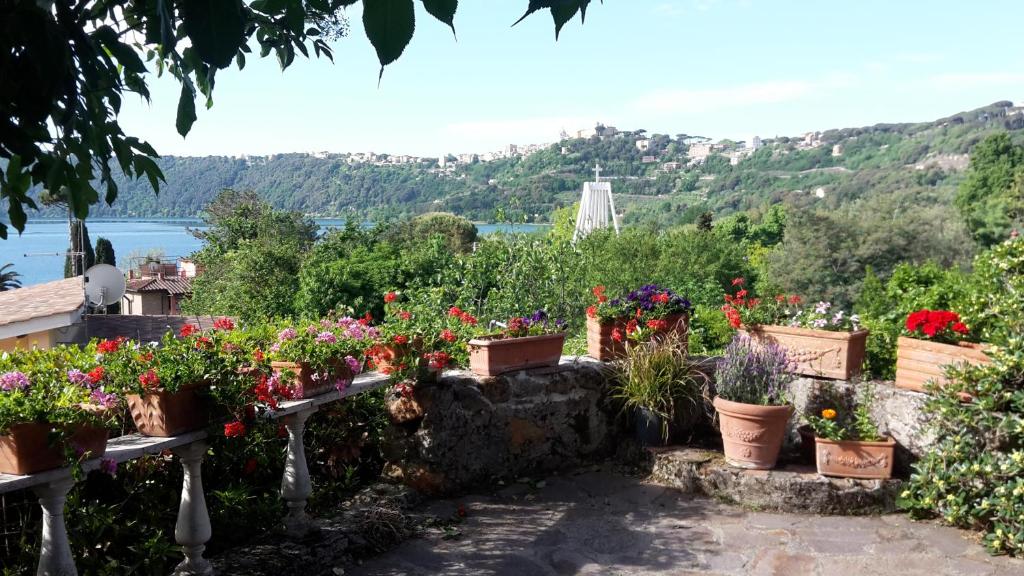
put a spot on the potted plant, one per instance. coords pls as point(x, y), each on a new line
point(319, 357)
point(751, 401)
point(851, 447)
point(820, 340)
point(526, 342)
point(663, 390)
point(422, 334)
point(933, 340)
point(54, 409)
point(164, 382)
point(639, 315)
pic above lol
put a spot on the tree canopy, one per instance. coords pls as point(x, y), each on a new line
point(67, 65)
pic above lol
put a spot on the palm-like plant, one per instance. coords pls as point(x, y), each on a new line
point(9, 278)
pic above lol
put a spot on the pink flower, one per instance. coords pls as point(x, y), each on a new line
point(326, 338)
point(11, 380)
point(287, 334)
point(104, 399)
point(354, 365)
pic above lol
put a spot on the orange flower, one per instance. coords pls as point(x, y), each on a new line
point(828, 414)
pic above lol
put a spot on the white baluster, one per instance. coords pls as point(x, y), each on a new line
point(193, 528)
point(295, 484)
point(55, 553)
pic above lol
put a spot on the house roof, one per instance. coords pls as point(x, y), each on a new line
point(141, 328)
point(42, 301)
point(175, 285)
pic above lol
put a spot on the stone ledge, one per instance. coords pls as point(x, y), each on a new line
point(791, 488)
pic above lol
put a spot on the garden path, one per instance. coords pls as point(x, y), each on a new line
point(601, 522)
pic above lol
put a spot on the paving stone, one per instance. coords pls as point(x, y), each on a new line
point(776, 562)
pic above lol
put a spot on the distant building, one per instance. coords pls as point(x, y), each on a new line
point(37, 316)
point(837, 150)
point(671, 166)
point(755, 143)
point(643, 145)
point(699, 152)
point(649, 159)
point(157, 288)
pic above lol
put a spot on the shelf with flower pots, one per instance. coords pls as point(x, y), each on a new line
point(934, 340)
point(638, 315)
point(526, 342)
point(820, 340)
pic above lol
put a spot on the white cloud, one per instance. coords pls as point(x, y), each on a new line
point(740, 96)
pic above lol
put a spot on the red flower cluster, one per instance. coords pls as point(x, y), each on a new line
point(203, 342)
point(401, 340)
point(108, 346)
point(662, 298)
point(365, 320)
point(405, 315)
point(516, 325)
point(188, 330)
point(438, 360)
point(592, 311)
point(234, 429)
point(462, 315)
point(257, 355)
point(404, 390)
point(448, 336)
point(617, 335)
point(932, 323)
point(733, 316)
point(145, 358)
point(599, 294)
point(96, 374)
point(390, 297)
point(659, 325)
point(149, 379)
point(631, 327)
point(223, 323)
point(263, 394)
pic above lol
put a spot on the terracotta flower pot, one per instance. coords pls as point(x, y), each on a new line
point(165, 414)
point(27, 448)
point(751, 434)
point(601, 345)
point(919, 361)
point(493, 355)
point(816, 352)
point(304, 385)
point(855, 459)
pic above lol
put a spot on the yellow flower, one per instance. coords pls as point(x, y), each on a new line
point(828, 414)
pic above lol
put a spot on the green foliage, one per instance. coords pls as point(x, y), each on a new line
point(57, 139)
point(459, 233)
point(77, 265)
point(9, 278)
point(105, 252)
point(990, 195)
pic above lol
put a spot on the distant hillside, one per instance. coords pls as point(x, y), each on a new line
point(879, 159)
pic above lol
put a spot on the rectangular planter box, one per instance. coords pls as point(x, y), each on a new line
point(26, 448)
point(855, 459)
point(601, 345)
point(163, 414)
point(493, 355)
point(302, 383)
point(822, 353)
point(918, 361)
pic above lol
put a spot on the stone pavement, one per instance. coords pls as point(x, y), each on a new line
point(601, 522)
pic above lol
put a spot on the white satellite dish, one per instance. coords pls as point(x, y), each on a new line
point(104, 285)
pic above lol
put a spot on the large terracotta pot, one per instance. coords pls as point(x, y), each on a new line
point(752, 434)
point(601, 345)
point(919, 361)
point(27, 448)
point(855, 459)
point(493, 355)
point(165, 414)
point(302, 383)
point(816, 352)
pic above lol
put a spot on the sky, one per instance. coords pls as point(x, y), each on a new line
point(716, 68)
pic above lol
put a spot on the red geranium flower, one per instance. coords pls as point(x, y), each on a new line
point(96, 374)
point(390, 297)
point(223, 323)
point(108, 346)
point(738, 281)
point(960, 328)
point(592, 311)
point(234, 429)
point(660, 298)
point(631, 326)
point(448, 336)
point(599, 294)
point(617, 335)
point(468, 318)
point(149, 379)
point(794, 299)
point(188, 330)
point(455, 312)
point(780, 298)
point(203, 342)
point(365, 320)
point(401, 339)
point(659, 325)
point(257, 355)
point(405, 315)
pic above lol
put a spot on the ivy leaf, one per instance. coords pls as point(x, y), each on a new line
point(443, 10)
point(389, 25)
point(216, 28)
point(186, 109)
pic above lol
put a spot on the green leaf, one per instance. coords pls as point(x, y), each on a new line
point(216, 28)
point(443, 10)
point(186, 109)
point(562, 14)
point(389, 25)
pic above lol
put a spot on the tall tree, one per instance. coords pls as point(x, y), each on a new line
point(989, 198)
point(80, 256)
point(9, 278)
point(67, 66)
point(105, 252)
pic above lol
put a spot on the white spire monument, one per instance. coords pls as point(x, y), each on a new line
point(595, 206)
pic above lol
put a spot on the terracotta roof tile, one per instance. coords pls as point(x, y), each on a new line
point(175, 285)
point(41, 300)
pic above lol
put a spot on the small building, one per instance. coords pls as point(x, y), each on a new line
point(156, 295)
point(837, 150)
point(37, 316)
point(649, 159)
point(671, 166)
point(643, 145)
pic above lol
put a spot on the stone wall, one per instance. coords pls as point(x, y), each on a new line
point(468, 431)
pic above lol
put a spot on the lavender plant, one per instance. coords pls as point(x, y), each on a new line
point(753, 373)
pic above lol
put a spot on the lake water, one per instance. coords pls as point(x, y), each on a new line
point(38, 254)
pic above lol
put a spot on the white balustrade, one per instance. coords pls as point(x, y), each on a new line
point(192, 530)
point(296, 486)
point(55, 554)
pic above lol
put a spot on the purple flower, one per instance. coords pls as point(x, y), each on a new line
point(354, 365)
point(108, 466)
point(342, 383)
point(326, 337)
point(76, 376)
point(104, 399)
point(355, 331)
point(13, 380)
point(287, 334)
point(312, 329)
